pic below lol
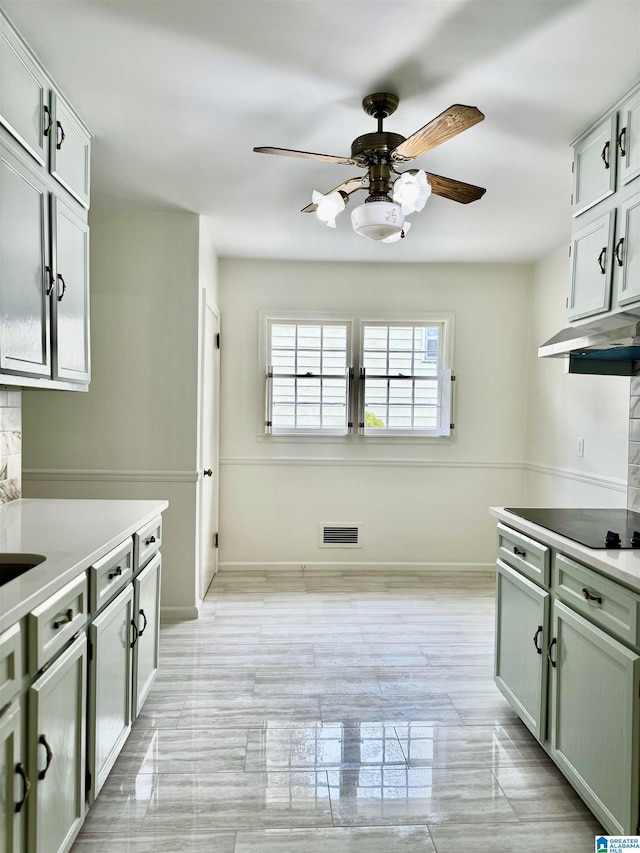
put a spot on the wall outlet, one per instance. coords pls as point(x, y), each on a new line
point(580, 447)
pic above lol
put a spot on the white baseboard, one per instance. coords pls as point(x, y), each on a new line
point(179, 614)
point(388, 567)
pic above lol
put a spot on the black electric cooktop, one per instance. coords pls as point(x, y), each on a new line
point(595, 528)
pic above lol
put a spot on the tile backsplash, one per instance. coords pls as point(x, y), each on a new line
point(633, 481)
point(10, 444)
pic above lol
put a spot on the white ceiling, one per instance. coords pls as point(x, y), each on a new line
point(177, 93)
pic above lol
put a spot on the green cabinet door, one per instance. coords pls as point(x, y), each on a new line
point(24, 269)
point(627, 253)
point(109, 717)
point(14, 784)
point(71, 302)
point(629, 138)
point(522, 633)
point(70, 150)
point(56, 738)
point(591, 266)
point(146, 609)
point(595, 718)
point(24, 94)
point(594, 165)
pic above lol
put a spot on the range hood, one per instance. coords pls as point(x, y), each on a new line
point(610, 346)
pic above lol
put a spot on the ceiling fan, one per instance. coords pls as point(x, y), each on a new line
point(391, 198)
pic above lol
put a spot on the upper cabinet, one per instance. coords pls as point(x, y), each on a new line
point(44, 235)
point(605, 241)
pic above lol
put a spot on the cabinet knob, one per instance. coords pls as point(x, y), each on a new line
point(208, 472)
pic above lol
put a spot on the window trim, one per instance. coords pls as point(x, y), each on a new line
point(355, 323)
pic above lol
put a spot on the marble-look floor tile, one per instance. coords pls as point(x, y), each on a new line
point(344, 654)
point(183, 841)
point(121, 804)
point(324, 746)
point(316, 681)
point(540, 793)
point(379, 839)
point(184, 751)
point(232, 800)
point(416, 796)
point(562, 836)
point(249, 711)
point(483, 708)
point(469, 746)
point(403, 680)
point(349, 710)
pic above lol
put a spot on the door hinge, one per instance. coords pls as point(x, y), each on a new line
point(217, 340)
point(216, 540)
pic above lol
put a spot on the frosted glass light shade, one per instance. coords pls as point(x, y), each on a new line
point(411, 191)
point(328, 207)
point(377, 220)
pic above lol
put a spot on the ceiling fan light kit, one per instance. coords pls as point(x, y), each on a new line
point(382, 216)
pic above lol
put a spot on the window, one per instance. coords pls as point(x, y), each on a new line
point(403, 388)
point(403, 372)
point(308, 377)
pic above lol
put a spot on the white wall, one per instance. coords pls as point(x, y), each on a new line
point(134, 434)
point(562, 407)
point(419, 502)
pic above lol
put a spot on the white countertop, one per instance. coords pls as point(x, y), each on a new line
point(71, 534)
point(621, 565)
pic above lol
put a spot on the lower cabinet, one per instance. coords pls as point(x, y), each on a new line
point(146, 610)
point(522, 626)
point(12, 774)
point(595, 718)
point(575, 686)
point(109, 707)
point(56, 751)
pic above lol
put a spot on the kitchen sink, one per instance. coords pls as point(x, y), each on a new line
point(14, 565)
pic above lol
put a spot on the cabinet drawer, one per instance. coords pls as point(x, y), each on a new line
point(604, 602)
point(146, 542)
point(529, 557)
point(110, 574)
point(10, 664)
point(55, 622)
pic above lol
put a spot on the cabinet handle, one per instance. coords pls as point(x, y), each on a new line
point(60, 136)
point(535, 639)
point(553, 663)
point(68, 617)
point(588, 597)
point(52, 280)
point(136, 634)
point(604, 154)
point(144, 627)
point(602, 260)
point(47, 129)
point(42, 740)
point(115, 574)
point(26, 787)
point(150, 540)
point(519, 552)
point(617, 252)
point(620, 142)
point(64, 287)
point(208, 472)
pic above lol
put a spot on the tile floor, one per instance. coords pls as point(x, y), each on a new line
point(340, 712)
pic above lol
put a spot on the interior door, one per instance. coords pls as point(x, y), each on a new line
point(209, 451)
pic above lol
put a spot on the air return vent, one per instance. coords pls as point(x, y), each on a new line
point(340, 536)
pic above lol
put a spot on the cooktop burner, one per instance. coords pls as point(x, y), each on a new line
point(595, 528)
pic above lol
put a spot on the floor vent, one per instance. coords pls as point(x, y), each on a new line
point(340, 536)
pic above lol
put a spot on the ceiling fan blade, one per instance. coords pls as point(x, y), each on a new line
point(347, 187)
point(289, 152)
point(448, 124)
point(455, 190)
